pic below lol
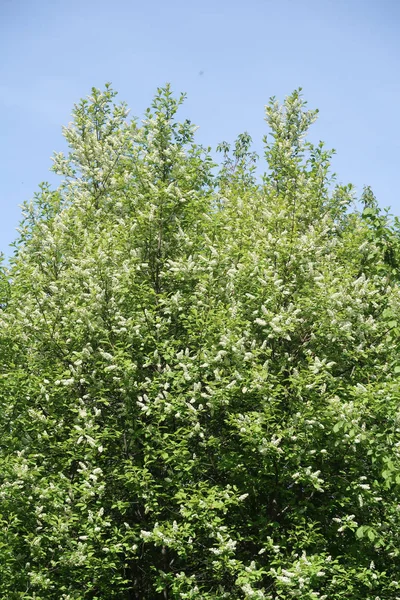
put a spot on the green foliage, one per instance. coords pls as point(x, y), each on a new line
point(199, 378)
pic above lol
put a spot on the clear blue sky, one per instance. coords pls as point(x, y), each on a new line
point(344, 53)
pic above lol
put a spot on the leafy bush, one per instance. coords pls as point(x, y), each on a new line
point(199, 371)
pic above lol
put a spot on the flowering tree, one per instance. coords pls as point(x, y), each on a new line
point(199, 371)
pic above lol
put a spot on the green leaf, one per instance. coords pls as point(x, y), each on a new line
point(371, 535)
point(360, 532)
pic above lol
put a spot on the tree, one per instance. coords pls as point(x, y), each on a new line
point(199, 371)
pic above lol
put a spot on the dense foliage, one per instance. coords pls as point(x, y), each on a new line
point(199, 377)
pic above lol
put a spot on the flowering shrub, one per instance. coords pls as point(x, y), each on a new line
point(199, 375)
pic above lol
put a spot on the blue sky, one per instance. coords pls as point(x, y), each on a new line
point(344, 53)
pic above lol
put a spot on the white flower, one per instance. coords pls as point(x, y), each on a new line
point(145, 534)
point(260, 322)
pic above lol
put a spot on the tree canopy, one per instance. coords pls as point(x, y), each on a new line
point(199, 376)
